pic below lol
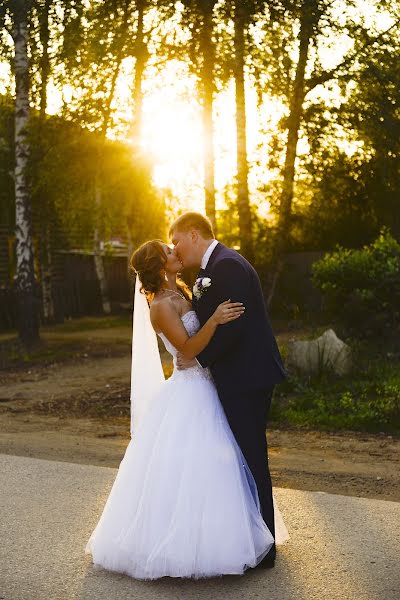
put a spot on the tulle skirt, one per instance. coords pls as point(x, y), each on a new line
point(184, 502)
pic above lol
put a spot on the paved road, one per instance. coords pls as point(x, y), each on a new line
point(341, 547)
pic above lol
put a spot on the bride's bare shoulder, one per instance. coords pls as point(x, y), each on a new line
point(161, 309)
point(160, 301)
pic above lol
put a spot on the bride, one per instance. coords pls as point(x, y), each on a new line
point(184, 502)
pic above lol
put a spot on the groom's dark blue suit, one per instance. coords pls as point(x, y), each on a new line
point(244, 360)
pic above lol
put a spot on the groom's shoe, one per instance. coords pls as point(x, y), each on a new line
point(266, 563)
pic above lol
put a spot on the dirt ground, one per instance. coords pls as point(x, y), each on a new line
point(77, 410)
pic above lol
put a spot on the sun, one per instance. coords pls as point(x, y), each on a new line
point(172, 132)
point(172, 136)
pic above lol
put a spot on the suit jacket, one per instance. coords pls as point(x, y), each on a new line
point(242, 355)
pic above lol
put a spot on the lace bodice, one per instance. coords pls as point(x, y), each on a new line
point(192, 325)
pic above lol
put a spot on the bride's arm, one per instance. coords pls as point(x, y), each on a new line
point(165, 318)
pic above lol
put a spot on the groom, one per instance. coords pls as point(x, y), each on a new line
point(243, 355)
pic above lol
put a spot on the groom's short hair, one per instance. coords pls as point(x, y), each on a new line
point(193, 220)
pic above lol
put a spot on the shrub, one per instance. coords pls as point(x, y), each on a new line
point(367, 401)
point(361, 288)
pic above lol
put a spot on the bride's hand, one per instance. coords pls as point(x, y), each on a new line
point(228, 311)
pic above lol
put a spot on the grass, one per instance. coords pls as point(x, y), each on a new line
point(367, 399)
point(89, 324)
point(69, 340)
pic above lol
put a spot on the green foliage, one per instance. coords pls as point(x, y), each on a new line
point(362, 287)
point(229, 233)
point(62, 171)
point(343, 194)
point(368, 399)
point(355, 184)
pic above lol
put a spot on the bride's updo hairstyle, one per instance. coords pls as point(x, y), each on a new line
point(148, 261)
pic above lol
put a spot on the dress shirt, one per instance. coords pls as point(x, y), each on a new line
point(207, 254)
point(204, 263)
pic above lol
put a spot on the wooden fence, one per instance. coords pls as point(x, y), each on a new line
point(74, 286)
point(75, 290)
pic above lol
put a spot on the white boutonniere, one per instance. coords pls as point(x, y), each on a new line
point(201, 286)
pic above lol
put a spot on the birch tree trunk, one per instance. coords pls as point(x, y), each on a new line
point(46, 233)
point(243, 204)
point(97, 243)
point(294, 120)
point(97, 254)
point(28, 319)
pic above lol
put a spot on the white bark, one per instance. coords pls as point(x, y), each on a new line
point(98, 259)
point(23, 230)
point(25, 283)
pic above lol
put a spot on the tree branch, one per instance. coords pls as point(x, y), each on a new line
point(312, 82)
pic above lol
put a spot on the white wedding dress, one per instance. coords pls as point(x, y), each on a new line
point(184, 502)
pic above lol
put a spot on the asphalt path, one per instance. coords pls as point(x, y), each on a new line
point(341, 547)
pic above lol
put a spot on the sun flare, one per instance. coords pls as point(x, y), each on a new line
point(172, 136)
point(172, 133)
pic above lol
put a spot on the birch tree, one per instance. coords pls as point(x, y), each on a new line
point(112, 34)
point(14, 16)
point(43, 12)
point(117, 50)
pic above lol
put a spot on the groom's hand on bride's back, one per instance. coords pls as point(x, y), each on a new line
point(184, 363)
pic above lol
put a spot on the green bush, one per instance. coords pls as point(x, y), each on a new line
point(367, 400)
point(361, 288)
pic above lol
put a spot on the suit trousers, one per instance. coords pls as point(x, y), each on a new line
point(247, 416)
